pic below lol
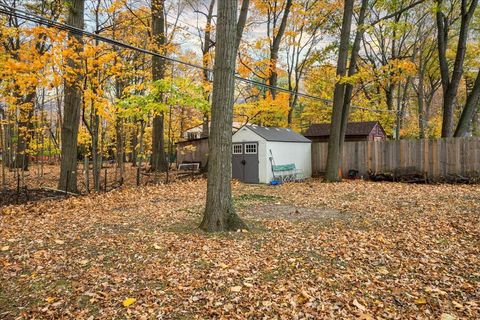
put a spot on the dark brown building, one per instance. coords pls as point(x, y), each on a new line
point(356, 131)
point(193, 151)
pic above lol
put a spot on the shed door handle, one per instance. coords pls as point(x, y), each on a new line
point(243, 162)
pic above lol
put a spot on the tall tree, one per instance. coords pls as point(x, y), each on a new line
point(72, 102)
point(469, 109)
point(206, 45)
point(219, 212)
point(428, 76)
point(451, 81)
point(277, 32)
point(352, 70)
point(308, 19)
point(334, 152)
point(276, 13)
point(158, 161)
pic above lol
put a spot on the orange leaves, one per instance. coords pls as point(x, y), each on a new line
point(29, 63)
point(265, 111)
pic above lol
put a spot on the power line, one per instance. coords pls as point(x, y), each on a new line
point(10, 11)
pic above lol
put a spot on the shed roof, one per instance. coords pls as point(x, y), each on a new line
point(277, 134)
point(353, 129)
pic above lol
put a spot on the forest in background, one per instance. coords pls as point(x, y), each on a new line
point(416, 71)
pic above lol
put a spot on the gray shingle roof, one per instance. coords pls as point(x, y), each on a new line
point(277, 134)
point(353, 129)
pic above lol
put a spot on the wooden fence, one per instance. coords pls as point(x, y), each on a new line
point(434, 158)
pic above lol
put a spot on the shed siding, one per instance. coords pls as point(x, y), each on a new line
point(193, 151)
point(289, 152)
point(246, 135)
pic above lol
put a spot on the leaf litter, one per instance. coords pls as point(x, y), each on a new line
point(333, 251)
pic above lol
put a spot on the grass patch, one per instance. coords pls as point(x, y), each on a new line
point(243, 200)
point(254, 197)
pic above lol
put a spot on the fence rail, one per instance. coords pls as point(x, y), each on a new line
point(434, 158)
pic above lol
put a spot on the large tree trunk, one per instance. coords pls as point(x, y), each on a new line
point(72, 103)
point(334, 152)
point(352, 70)
point(219, 213)
point(158, 160)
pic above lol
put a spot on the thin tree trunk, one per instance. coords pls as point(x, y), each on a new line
point(421, 106)
point(8, 131)
point(242, 20)
point(120, 153)
point(450, 84)
point(140, 154)
point(469, 110)
point(25, 127)
point(334, 152)
point(95, 124)
point(208, 44)
point(72, 103)
point(86, 170)
point(135, 146)
point(219, 213)
point(2, 147)
point(275, 48)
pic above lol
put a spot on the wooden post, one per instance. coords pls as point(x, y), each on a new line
point(105, 183)
point(18, 186)
point(4, 155)
point(138, 176)
point(86, 172)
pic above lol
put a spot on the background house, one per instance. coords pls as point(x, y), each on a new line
point(356, 131)
point(196, 132)
point(194, 146)
point(253, 146)
point(193, 151)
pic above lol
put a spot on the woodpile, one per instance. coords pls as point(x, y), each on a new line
point(411, 175)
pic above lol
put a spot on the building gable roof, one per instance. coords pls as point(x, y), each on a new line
point(277, 134)
point(353, 129)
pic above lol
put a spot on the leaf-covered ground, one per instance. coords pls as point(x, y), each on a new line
point(350, 250)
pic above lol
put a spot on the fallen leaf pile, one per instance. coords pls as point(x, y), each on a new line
point(321, 251)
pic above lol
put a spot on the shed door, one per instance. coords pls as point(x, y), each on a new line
point(245, 162)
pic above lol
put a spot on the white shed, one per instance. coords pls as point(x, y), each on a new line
point(255, 148)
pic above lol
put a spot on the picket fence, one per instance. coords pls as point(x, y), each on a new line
point(434, 158)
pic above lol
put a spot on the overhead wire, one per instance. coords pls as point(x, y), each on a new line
point(28, 16)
